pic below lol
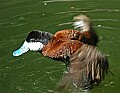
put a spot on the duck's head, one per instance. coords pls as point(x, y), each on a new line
point(81, 23)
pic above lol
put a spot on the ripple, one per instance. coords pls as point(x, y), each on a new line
point(14, 2)
point(61, 24)
point(106, 27)
point(115, 20)
point(23, 6)
point(21, 24)
point(101, 10)
point(49, 1)
point(19, 15)
point(86, 11)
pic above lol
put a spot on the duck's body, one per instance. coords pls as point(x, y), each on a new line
point(87, 37)
point(60, 48)
point(63, 44)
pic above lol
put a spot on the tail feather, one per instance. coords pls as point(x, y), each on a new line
point(88, 67)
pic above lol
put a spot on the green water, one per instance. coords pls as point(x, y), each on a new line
point(33, 73)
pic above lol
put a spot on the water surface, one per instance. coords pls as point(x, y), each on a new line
point(33, 73)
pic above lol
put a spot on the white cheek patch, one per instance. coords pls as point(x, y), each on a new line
point(78, 24)
point(35, 46)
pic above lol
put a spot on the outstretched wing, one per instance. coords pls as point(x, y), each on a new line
point(88, 66)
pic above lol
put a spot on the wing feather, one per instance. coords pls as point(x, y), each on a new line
point(88, 67)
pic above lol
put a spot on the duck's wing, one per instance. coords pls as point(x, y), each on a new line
point(88, 66)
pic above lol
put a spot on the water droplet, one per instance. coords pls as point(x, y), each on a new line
point(99, 25)
point(72, 7)
point(45, 3)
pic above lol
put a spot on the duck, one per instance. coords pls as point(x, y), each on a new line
point(86, 65)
